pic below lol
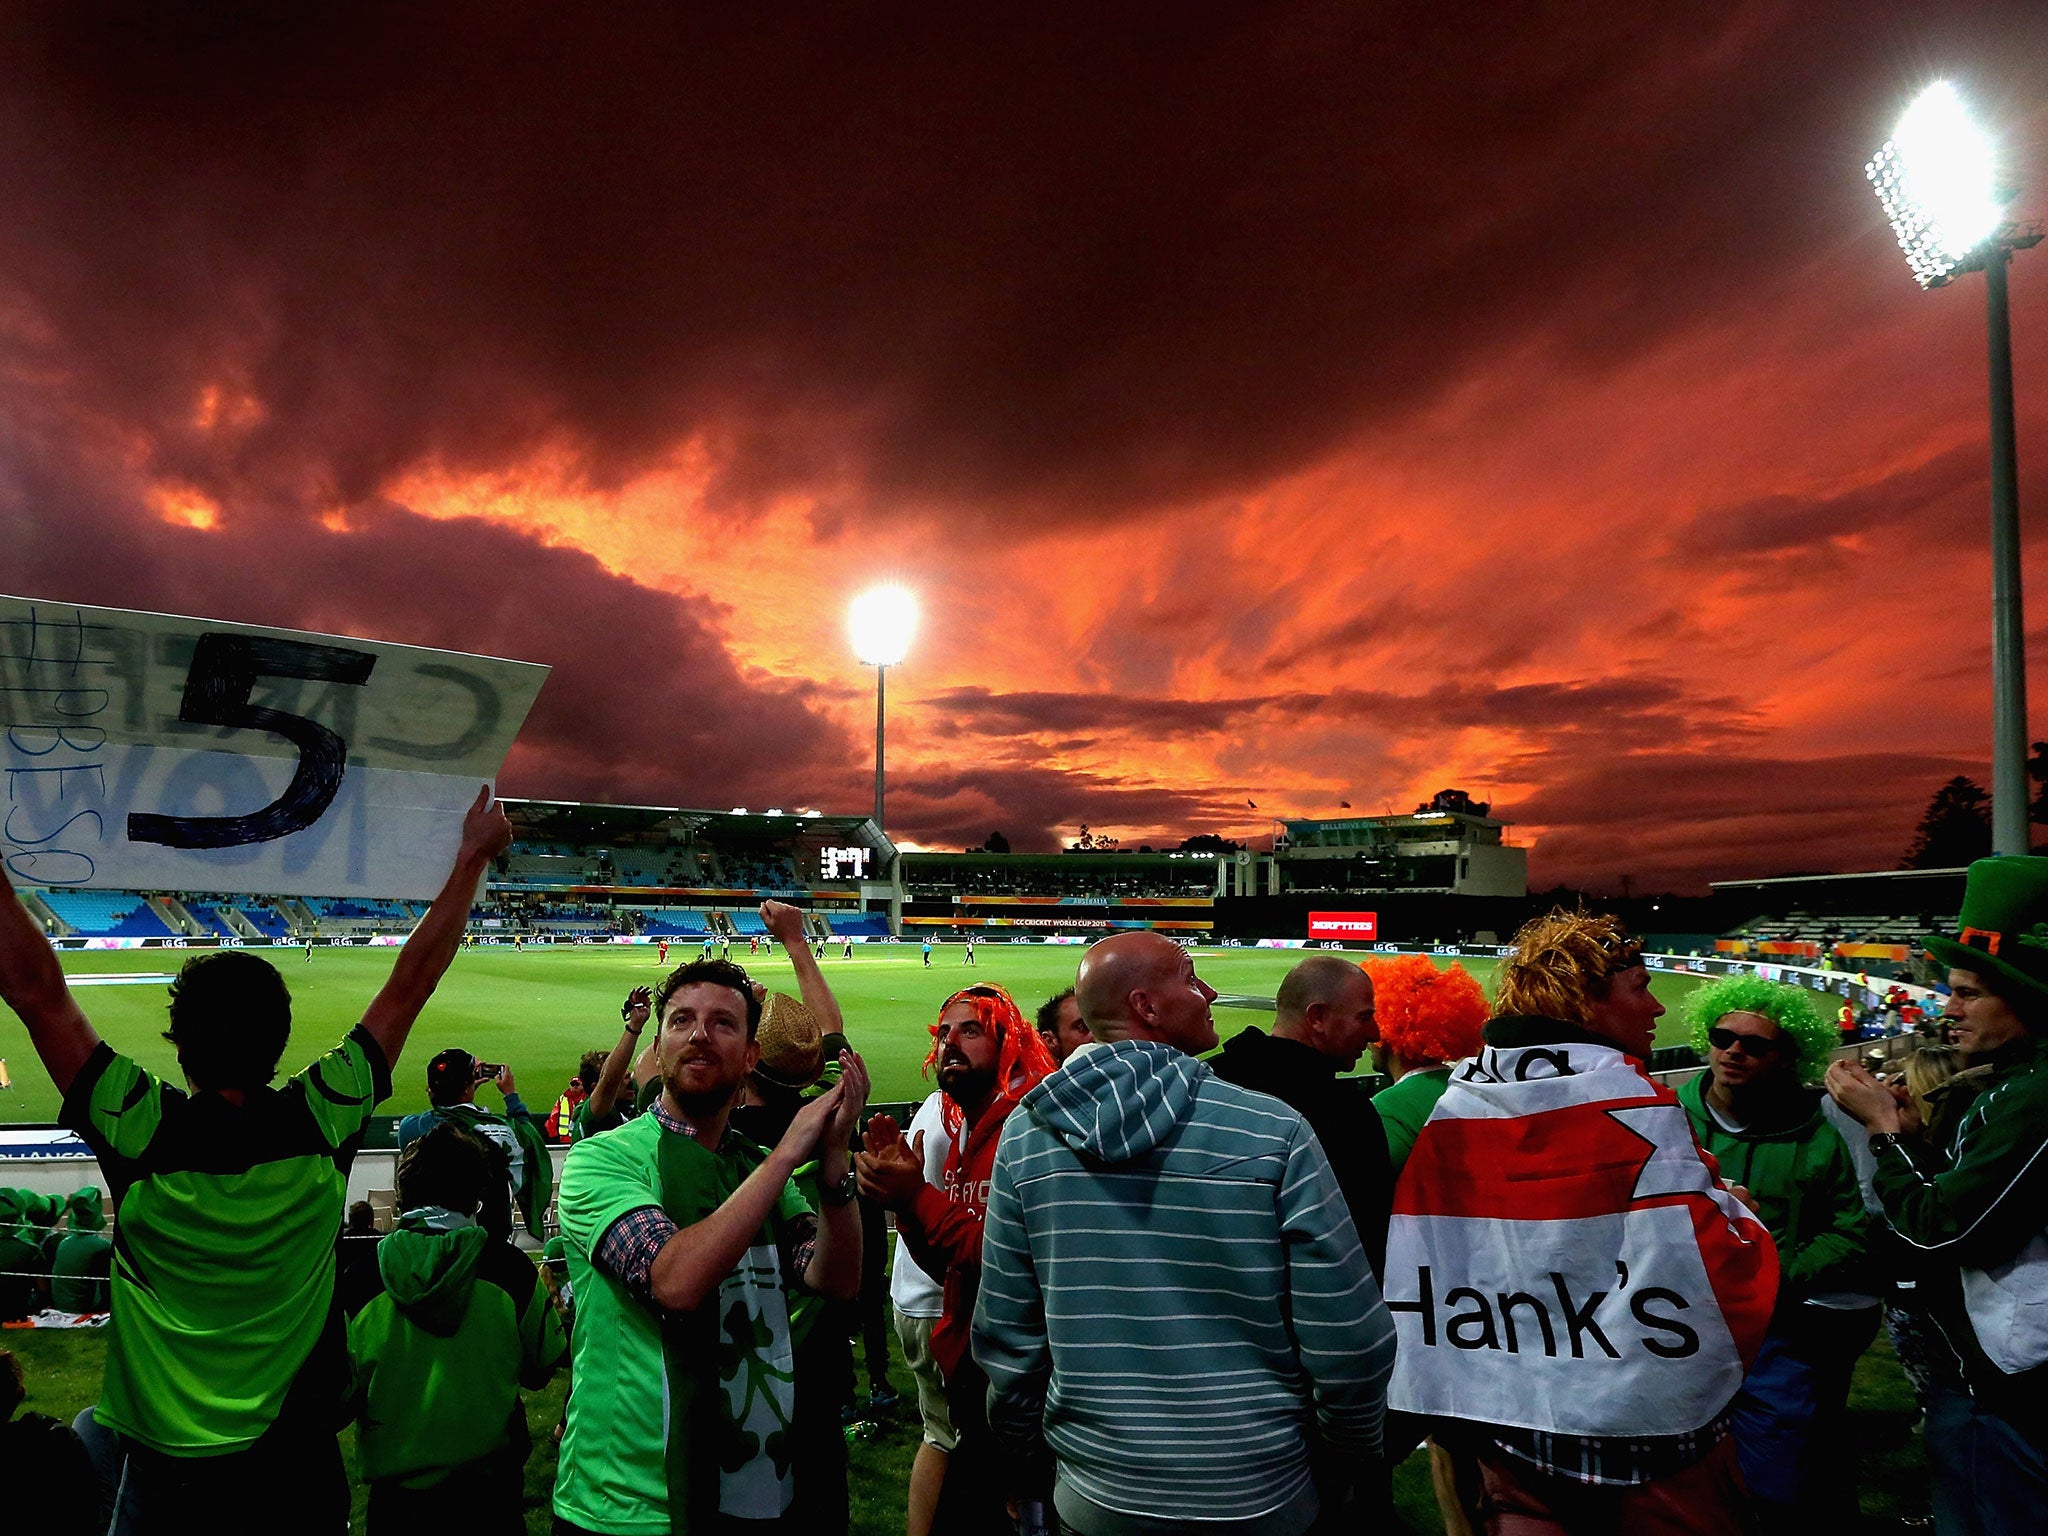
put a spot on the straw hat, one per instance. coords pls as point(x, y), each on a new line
point(792, 1044)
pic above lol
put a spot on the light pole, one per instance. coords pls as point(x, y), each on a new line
point(882, 622)
point(1936, 176)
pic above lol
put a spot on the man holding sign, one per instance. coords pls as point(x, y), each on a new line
point(226, 1363)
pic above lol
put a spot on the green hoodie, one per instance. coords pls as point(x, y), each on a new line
point(1805, 1187)
point(443, 1330)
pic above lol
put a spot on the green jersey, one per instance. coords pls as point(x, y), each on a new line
point(224, 1243)
point(731, 1405)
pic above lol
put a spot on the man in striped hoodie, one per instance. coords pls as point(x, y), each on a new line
point(1173, 1301)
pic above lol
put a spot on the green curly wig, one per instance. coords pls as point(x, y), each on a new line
point(1790, 1008)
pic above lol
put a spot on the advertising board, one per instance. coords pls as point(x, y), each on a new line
point(1363, 927)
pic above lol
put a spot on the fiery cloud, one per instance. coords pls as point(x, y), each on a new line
point(1295, 405)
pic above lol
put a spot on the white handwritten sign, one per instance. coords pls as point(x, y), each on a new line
point(143, 751)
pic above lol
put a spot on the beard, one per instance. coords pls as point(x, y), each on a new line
point(696, 1096)
point(965, 1086)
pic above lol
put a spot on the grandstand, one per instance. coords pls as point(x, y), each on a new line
point(1457, 853)
point(1873, 919)
point(1080, 892)
point(675, 871)
point(108, 914)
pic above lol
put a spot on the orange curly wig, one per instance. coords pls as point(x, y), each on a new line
point(1022, 1057)
point(1424, 1014)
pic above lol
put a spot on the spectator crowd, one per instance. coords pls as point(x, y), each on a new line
point(1143, 1285)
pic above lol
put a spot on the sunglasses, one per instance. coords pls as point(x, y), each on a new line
point(1747, 1045)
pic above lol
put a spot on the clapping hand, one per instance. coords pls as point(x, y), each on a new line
point(891, 1170)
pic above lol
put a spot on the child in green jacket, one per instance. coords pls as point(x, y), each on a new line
point(444, 1328)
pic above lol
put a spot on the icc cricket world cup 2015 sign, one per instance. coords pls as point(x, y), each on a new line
point(142, 751)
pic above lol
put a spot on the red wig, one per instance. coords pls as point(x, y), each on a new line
point(1424, 1014)
point(1021, 1059)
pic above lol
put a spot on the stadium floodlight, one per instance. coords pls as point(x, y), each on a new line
point(882, 623)
point(1937, 178)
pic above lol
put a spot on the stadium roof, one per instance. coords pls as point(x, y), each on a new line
point(605, 821)
point(1873, 874)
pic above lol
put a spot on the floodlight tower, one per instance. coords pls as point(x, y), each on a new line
point(1937, 179)
point(882, 622)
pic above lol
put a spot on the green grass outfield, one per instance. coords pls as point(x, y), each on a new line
point(539, 1009)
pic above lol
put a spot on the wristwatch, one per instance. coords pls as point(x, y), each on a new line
point(1883, 1139)
point(840, 1193)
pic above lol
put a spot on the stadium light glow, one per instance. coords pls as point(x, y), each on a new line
point(1936, 177)
point(882, 623)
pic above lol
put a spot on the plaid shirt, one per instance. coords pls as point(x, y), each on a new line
point(1610, 1461)
point(631, 1244)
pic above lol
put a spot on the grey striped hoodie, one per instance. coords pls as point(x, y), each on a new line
point(1173, 1298)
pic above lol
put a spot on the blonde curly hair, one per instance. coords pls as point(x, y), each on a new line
point(1563, 964)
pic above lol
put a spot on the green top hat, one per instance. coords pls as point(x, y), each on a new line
point(2004, 923)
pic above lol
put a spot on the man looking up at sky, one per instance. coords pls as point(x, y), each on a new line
point(1061, 1026)
point(227, 1362)
point(1976, 1210)
point(1571, 1280)
point(988, 1058)
point(685, 1242)
point(1174, 1301)
point(1322, 1022)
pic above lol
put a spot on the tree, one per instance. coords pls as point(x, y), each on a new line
point(997, 843)
point(1086, 839)
point(1207, 842)
point(1454, 800)
point(2037, 770)
point(1955, 830)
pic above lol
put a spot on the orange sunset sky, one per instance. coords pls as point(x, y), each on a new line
point(1294, 403)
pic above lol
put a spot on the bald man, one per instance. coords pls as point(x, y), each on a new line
point(1124, 1185)
point(1322, 1023)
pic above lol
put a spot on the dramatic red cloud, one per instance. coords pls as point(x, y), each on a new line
point(1290, 404)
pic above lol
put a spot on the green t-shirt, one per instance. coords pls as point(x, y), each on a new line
point(1405, 1105)
point(224, 1239)
point(614, 1473)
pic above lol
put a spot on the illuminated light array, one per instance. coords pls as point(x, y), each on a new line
point(881, 623)
point(1935, 177)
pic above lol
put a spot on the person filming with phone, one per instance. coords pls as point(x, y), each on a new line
point(518, 1135)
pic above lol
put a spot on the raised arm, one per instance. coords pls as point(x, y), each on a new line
point(835, 1264)
point(32, 984)
point(604, 1094)
point(787, 924)
point(427, 954)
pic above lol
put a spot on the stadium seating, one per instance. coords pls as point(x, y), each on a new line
point(211, 920)
point(875, 924)
point(665, 921)
point(108, 914)
point(264, 918)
